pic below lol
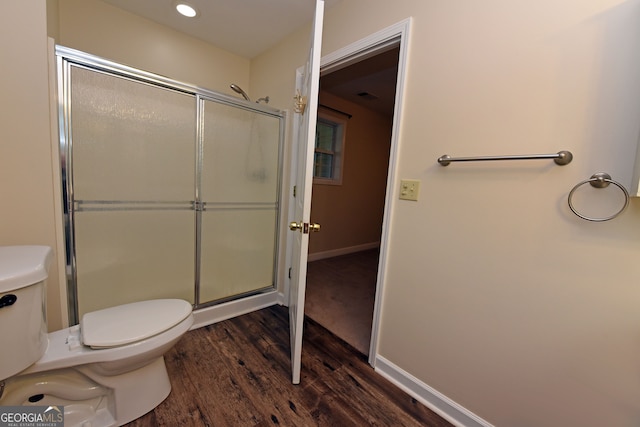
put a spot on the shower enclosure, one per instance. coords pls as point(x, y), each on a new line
point(170, 191)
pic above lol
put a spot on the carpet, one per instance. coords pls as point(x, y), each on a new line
point(341, 293)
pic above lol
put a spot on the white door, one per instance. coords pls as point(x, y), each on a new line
point(307, 85)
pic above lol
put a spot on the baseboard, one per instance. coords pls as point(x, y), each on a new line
point(217, 313)
point(342, 251)
point(428, 396)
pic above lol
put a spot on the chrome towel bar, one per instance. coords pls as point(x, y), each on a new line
point(560, 158)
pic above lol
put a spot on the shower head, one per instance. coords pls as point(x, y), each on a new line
point(238, 89)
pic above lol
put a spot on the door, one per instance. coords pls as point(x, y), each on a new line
point(307, 86)
point(239, 198)
point(170, 190)
point(131, 173)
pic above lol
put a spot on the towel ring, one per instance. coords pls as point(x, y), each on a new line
point(599, 180)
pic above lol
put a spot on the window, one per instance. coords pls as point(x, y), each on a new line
point(327, 159)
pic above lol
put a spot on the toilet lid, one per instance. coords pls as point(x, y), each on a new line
point(128, 323)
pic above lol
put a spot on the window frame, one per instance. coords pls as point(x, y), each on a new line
point(340, 123)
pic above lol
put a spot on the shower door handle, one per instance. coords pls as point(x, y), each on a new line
point(304, 227)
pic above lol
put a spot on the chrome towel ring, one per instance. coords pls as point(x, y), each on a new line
point(599, 180)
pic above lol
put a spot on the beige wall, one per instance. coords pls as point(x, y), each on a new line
point(106, 31)
point(496, 294)
point(53, 19)
point(27, 205)
point(350, 214)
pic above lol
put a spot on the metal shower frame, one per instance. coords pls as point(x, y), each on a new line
point(67, 58)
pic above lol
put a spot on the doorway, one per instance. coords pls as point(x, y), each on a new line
point(342, 273)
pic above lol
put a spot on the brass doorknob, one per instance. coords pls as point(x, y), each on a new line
point(305, 228)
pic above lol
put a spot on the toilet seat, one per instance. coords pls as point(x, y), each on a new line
point(130, 323)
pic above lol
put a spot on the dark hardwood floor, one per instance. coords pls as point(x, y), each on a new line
point(237, 373)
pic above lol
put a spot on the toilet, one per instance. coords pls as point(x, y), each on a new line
point(106, 371)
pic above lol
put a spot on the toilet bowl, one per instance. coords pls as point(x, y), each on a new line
point(106, 371)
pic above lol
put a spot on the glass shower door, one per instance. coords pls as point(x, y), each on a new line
point(131, 180)
point(239, 191)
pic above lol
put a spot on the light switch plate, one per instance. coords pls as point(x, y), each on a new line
point(409, 189)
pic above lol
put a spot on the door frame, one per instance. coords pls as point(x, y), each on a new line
point(376, 43)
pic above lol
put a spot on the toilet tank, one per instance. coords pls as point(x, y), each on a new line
point(23, 325)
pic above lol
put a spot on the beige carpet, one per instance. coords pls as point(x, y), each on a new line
point(340, 295)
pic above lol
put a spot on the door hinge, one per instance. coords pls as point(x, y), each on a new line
point(300, 103)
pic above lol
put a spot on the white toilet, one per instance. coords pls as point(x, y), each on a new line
point(107, 371)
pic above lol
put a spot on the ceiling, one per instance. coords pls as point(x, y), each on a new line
point(244, 27)
point(370, 83)
point(250, 27)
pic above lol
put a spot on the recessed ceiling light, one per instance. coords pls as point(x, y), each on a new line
point(186, 10)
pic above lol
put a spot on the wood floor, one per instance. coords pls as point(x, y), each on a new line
point(237, 373)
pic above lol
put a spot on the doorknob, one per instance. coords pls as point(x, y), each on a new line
point(304, 227)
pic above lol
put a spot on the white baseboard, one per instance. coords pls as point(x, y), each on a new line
point(217, 313)
point(428, 396)
point(342, 251)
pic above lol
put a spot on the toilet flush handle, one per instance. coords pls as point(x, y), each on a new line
point(8, 300)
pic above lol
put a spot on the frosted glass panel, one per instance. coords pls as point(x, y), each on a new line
point(238, 250)
point(131, 141)
point(133, 165)
point(240, 179)
point(240, 155)
point(127, 256)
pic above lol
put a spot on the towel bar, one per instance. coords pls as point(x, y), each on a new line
point(560, 158)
